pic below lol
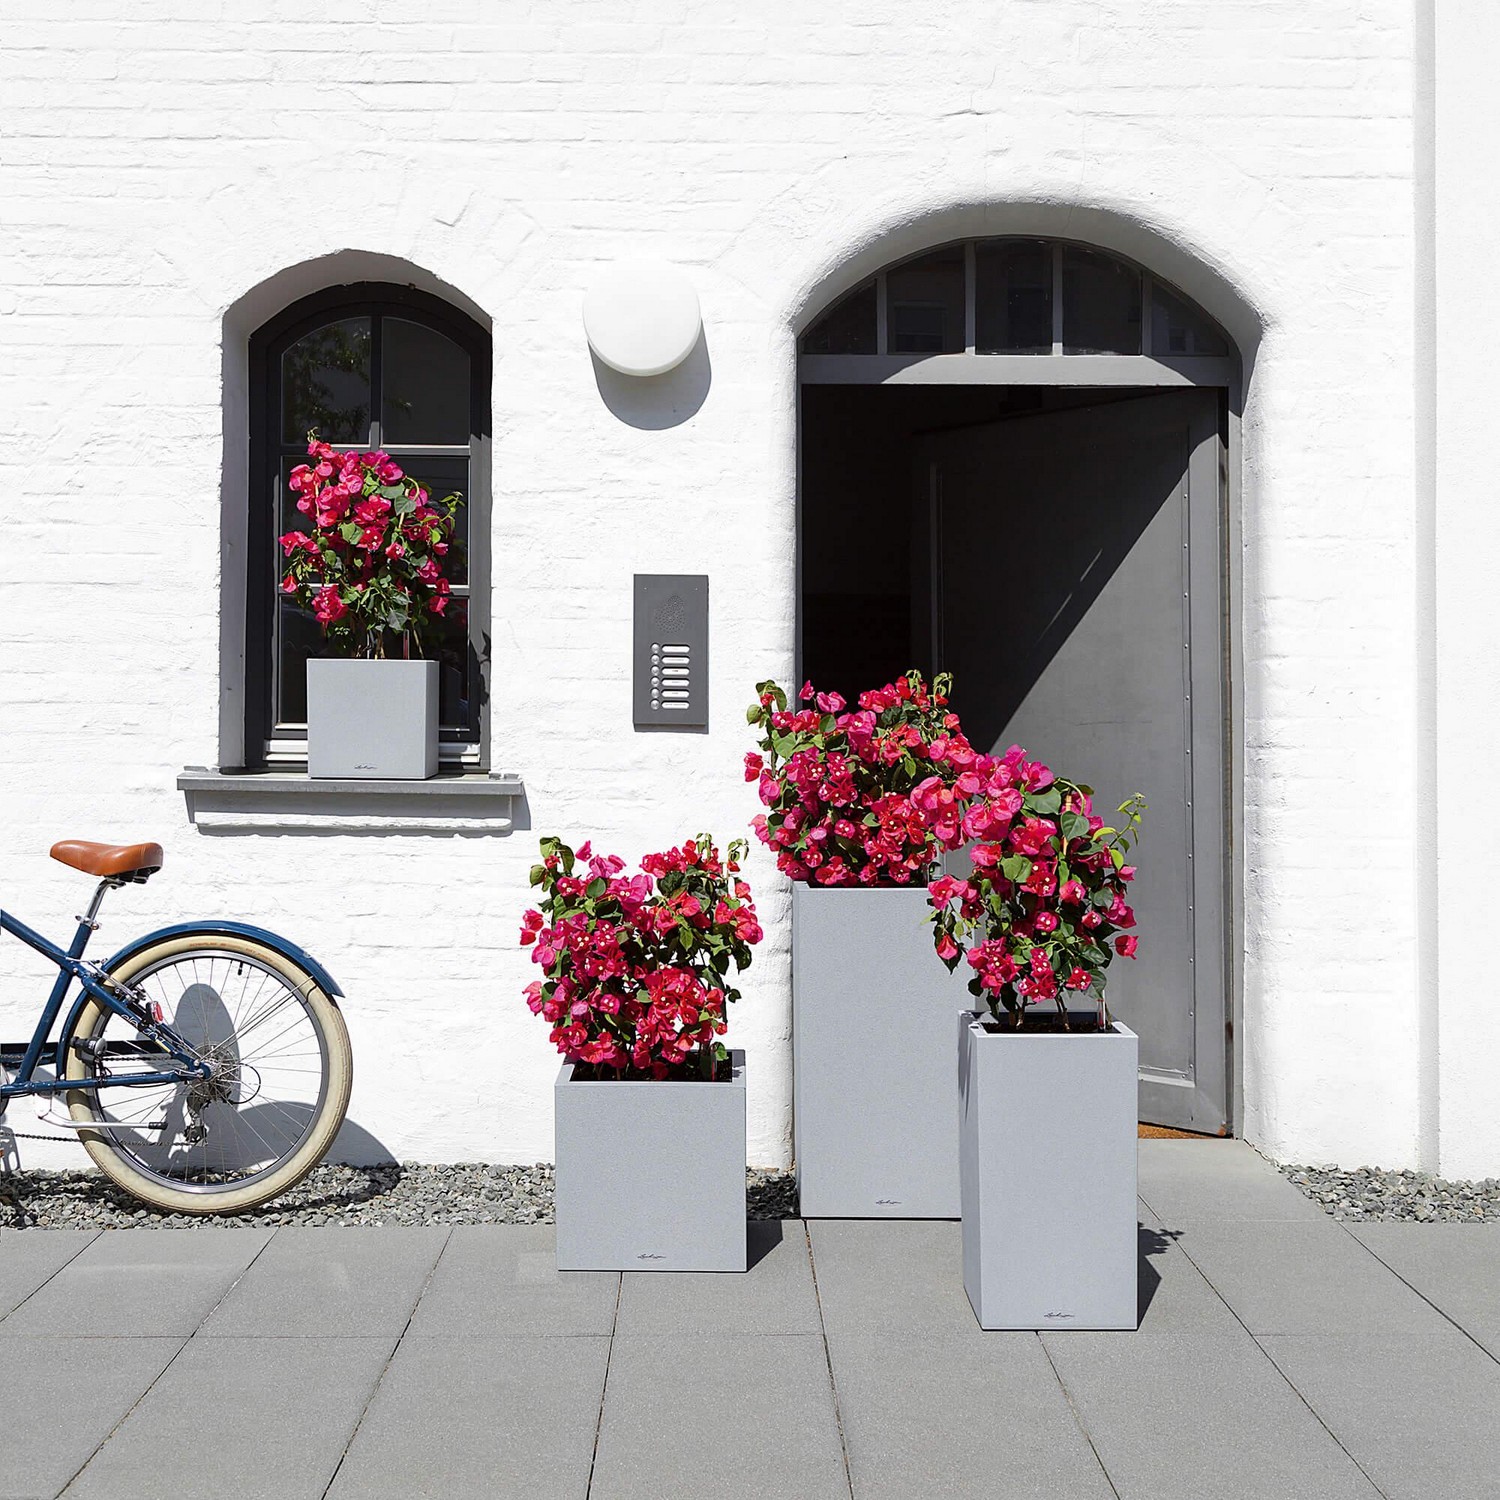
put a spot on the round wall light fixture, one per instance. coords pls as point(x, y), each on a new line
point(642, 317)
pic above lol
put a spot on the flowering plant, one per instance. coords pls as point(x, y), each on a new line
point(373, 560)
point(837, 783)
point(1044, 910)
point(635, 966)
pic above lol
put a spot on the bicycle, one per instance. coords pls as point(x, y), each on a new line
point(221, 1046)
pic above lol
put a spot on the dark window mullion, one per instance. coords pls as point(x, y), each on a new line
point(377, 375)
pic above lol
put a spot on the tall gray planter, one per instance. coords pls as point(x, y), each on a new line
point(650, 1175)
point(1048, 1166)
point(372, 720)
point(876, 1085)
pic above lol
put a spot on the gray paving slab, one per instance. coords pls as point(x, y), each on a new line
point(1178, 1415)
point(1287, 1277)
point(1456, 1267)
point(258, 1419)
point(1171, 1290)
point(948, 1420)
point(775, 1295)
point(502, 1281)
point(342, 1282)
point(139, 1283)
point(719, 1418)
point(1190, 1181)
point(477, 1417)
point(29, 1257)
point(64, 1397)
point(891, 1276)
point(1421, 1415)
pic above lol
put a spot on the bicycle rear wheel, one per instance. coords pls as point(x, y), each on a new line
point(282, 1071)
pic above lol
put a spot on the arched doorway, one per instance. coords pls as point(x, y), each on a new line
point(1013, 467)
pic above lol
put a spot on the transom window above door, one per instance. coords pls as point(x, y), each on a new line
point(368, 367)
point(1016, 296)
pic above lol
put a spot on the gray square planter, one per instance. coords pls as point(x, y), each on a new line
point(650, 1175)
point(1048, 1162)
point(372, 720)
point(876, 1085)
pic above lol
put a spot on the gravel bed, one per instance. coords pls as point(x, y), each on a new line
point(1370, 1193)
point(391, 1193)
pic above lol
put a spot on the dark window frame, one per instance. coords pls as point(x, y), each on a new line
point(374, 300)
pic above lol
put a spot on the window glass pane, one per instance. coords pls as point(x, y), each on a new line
point(1177, 328)
point(925, 304)
point(425, 380)
point(848, 328)
point(444, 477)
point(298, 637)
point(449, 644)
point(288, 517)
point(1013, 292)
point(325, 383)
point(1101, 304)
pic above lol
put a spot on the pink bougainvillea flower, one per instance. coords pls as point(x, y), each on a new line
point(1125, 945)
point(328, 606)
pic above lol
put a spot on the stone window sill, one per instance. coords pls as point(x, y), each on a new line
point(286, 799)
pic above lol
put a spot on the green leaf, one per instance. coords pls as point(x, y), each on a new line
point(538, 874)
point(351, 531)
point(1117, 857)
point(1046, 803)
point(1015, 867)
point(596, 888)
point(753, 713)
point(1074, 825)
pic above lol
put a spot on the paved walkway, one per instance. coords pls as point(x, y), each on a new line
point(1280, 1355)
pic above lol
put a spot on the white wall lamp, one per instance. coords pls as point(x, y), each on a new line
point(642, 317)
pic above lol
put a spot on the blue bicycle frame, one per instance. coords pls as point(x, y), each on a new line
point(72, 965)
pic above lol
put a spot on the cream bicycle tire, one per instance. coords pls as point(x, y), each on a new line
point(120, 1165)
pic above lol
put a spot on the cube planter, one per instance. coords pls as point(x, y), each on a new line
point(372, 720)
point(876, 1085)
point(1048, 1168)
point(650, 1174)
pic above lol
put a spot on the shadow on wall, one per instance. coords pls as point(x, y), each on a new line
point(655, 402)
point(356, 1147)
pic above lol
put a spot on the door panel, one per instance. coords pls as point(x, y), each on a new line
point(1078, 609)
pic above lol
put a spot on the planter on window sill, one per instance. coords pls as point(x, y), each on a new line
point(1047, 1163)
point(372, 720)
point(650, 1174)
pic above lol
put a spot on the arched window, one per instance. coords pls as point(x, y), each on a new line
point(1016, 296)
point(367, 366)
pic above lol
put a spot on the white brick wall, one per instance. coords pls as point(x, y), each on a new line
point(162, 159)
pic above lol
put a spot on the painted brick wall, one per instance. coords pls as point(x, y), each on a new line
point(163, 159)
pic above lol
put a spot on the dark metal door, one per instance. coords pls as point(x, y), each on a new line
point(1078, 602)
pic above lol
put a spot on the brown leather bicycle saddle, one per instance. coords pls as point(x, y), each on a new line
point(110, 861)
